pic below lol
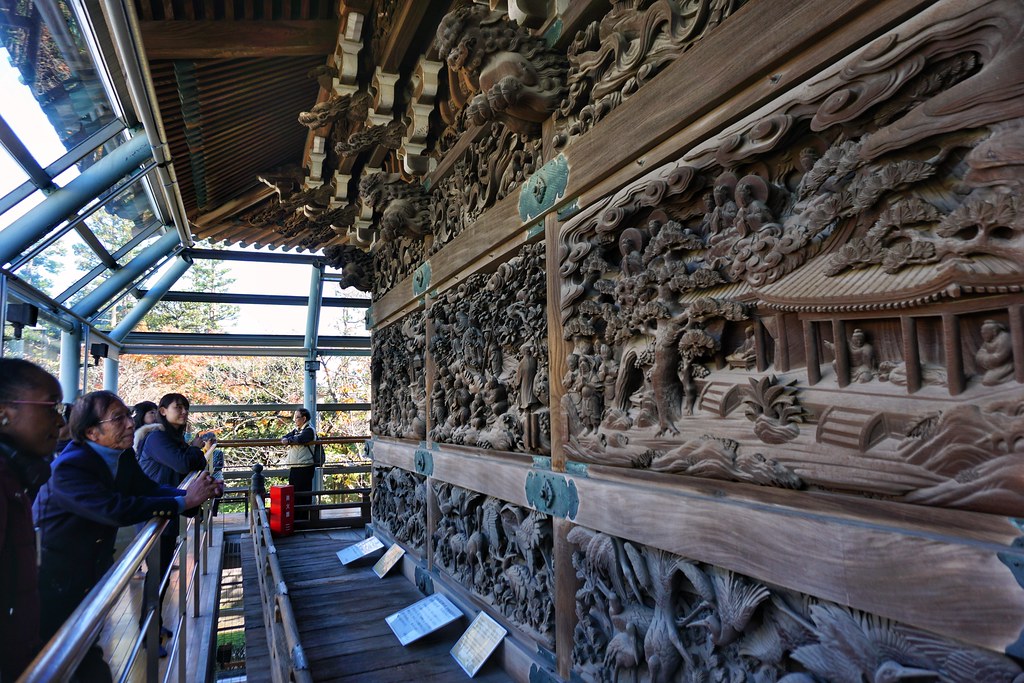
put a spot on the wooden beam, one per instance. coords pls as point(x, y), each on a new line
point(227, 40)
point(410, 16)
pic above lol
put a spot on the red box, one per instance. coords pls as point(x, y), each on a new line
point(282, 510)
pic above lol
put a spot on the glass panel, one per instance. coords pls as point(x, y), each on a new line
point(53, 97)
point(343, 321)
point(58, 266)
point(11, 174)
point(21, 208)
point(121, 218)
point(39, 344)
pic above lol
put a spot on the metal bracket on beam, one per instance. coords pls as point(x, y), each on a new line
point(421, 279)
point(423, 460)
point(545, 187)
point(552, 494)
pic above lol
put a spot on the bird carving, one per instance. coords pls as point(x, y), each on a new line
point(732, 600)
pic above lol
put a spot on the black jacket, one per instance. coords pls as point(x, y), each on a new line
point(78, 512)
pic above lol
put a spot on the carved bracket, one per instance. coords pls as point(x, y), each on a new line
point(552, 494)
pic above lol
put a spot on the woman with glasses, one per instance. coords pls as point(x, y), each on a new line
point(96, 487)
point(30, 421)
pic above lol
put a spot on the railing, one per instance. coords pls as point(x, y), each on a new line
point(278, 618)
point(61, 656)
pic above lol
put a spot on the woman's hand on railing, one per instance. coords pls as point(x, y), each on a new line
point(201, 489)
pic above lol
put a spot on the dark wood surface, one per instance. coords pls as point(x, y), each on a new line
point(340, 613)
point(212, 39)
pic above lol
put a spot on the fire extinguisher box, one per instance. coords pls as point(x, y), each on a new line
point(282, 510)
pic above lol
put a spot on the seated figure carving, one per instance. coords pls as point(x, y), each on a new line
point(745, 354)
point(995, 356)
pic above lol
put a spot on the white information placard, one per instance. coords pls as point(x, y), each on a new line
point(388, 560)
point(423, 617)
point(358, 550)
point(477, 643)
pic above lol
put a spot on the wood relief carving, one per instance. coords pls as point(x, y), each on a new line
point(612, 58)
point(648, 615)
point(774, 307)
point(399, 505)
point(402, 208)
point(491, 169)
point(355, 264)
point(489, 347)
point(349, 110)
point(517, 79)
point(397, 379)
point(501, 552)
point(394, 260)
point(308, 214)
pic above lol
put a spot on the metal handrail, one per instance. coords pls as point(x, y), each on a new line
point(61, 656)
point(278, 616)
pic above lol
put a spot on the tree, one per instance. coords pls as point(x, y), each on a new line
point(192, 316)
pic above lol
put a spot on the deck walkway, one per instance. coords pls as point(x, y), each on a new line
point(340, 613)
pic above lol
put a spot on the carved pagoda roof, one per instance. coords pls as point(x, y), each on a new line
point(871, 288)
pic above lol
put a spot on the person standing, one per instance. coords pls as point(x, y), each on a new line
point(30, 422)
point(97, 486)
point(167, 458)
point(299, 459)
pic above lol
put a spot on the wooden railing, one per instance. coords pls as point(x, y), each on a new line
point(287, 660)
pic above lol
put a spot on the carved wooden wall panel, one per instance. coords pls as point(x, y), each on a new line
point(648, 615)
point(791, 347)
point(489, 352)
point(399, 505)
point(759, 310)
point(397, 379)
point(501, 552)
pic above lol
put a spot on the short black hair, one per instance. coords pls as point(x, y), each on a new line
point(304, 413)
point(87, 412)
point(139, 411)
point(17, 374)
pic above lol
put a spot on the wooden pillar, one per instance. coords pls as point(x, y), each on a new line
point(811, 352)
point(911, 353)
point(953, 346)
point(429, 368)
point(760, 348)
point(1017, 338)
point(433, 514)
point(842, 353)
point(565, 596)
point(781, 343)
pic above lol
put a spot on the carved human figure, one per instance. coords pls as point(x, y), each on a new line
point(464, 401)
point(496, 395)
point(995, 356)
point(607, 373)
point(745, 353)
point(861, 355)
point(630, 244)
point(751, 212)
point(724, 214)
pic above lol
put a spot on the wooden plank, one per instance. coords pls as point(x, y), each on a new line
point(213, 40)
point(403, 30)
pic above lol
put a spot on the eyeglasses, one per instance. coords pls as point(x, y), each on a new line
point(123, 417)
point(58, 406)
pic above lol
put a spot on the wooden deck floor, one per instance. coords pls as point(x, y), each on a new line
point(340, 613)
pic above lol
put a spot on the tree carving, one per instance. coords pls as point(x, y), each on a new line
point(398, 505)
point(517, 78)
point(397, 375)
point(834, 221)
point(490, 351)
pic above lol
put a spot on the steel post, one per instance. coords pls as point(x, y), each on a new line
point(70, 362)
